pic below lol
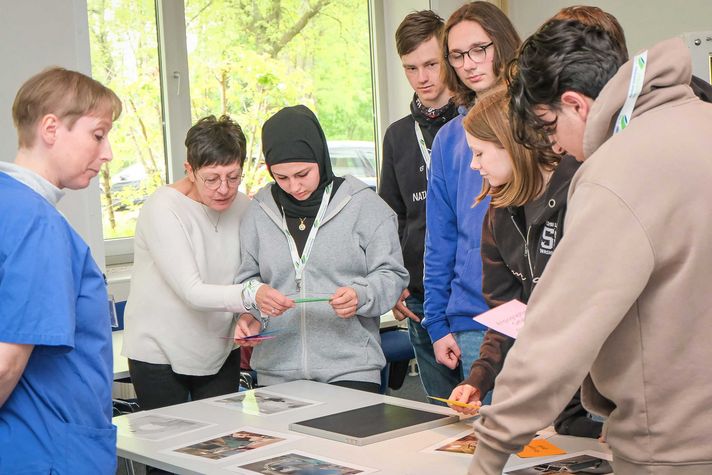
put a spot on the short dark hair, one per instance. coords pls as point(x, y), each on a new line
point(214, 141)
point(500, 30)
point(563, 55)
point(417, 28)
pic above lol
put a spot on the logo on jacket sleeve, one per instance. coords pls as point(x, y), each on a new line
point(547, 243)
point(419, 195)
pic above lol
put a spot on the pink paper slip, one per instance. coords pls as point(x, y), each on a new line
point(508, 318)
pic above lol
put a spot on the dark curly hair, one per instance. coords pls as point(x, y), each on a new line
point(563, 55)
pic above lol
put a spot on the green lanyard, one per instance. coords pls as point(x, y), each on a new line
point(300, 262)
point(637, 77)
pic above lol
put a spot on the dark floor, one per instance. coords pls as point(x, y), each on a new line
point(411, 389)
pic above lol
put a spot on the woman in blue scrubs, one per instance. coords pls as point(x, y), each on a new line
point(55, 330)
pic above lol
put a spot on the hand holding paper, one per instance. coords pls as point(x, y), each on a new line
point(465, 408)
point(247, 326)
point(508, 318)
point(465, 399)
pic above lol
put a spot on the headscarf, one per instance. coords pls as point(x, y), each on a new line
point(294, 135)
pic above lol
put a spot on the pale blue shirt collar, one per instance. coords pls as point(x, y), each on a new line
point(31, 179)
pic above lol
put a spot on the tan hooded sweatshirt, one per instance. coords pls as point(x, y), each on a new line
point(626, 300)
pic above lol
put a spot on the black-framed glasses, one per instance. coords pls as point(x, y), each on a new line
point(478, 54)
point(213, 182)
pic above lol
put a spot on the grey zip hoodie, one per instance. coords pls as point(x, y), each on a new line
point(356, 246)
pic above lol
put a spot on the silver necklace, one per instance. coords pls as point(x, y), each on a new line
point(215, 224)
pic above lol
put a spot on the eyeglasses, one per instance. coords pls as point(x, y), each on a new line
point(213, 182)
point(478, 54)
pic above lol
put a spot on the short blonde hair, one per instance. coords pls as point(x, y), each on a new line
point(488, 120)
point(67, 94)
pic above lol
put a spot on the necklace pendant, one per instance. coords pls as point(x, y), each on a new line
point(302, 227)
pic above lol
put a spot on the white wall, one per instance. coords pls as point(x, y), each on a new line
point(645, 21)
point(35, 35)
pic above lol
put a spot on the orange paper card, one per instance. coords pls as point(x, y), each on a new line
point(540, 448)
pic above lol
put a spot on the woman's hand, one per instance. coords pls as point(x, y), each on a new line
point(247, 325)
point(271, 302)
point(344, 302)
point(467, 394)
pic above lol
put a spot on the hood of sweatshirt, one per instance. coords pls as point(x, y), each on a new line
point(348, 189)
point(667, 78)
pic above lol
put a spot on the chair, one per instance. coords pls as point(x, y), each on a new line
point(120, 308)
point(398, 352)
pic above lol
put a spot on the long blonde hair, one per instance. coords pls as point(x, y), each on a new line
point(488, 120)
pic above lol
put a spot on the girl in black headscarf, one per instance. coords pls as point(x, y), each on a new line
point(313, 236)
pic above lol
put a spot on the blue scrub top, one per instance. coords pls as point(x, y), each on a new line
point(53, 296)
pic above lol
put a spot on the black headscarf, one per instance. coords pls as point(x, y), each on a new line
point(294, 135)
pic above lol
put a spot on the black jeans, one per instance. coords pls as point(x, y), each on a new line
point(360, 385)
point(157, 385)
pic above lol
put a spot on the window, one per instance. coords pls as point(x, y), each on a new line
point(357, 158)
point(245, 62)
point(250, 62)
point(124, 54)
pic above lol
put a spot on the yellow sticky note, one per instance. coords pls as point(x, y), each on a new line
point(540, 448)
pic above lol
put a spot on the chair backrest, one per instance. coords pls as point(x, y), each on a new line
point(396, 345)
point(120, 308)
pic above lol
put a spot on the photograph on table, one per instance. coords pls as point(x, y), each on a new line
point(231, 444)
point(155, 426)
point(296, 462)
point(577, 462)
point(462, 444)
point(261, 403)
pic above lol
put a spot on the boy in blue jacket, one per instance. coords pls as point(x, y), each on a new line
point(478, 41)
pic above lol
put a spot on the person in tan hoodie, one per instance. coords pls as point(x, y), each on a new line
point(624, 303)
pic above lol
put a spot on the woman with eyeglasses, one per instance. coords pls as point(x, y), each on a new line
point(478, 41)
point(179, 315)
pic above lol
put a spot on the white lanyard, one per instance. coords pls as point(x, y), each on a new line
point(300, 262)
point(423, 148)
point(637, 76)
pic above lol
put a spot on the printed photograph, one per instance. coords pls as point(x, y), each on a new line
point(156, 427)
point(463, 443)
point(261, 403)
point(297, 462)
point(229, 445)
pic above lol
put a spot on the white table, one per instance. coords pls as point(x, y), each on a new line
point(397, 456)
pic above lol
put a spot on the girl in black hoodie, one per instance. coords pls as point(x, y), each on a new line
point(523, 225)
